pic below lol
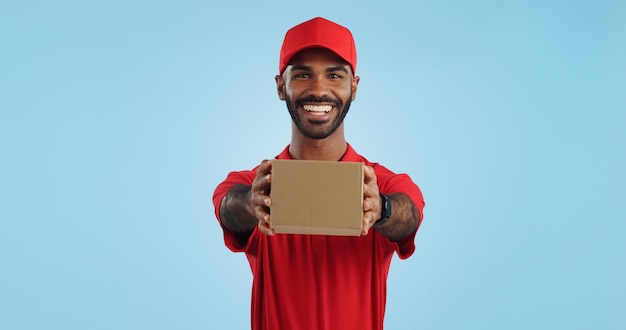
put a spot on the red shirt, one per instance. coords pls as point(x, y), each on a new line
point(321, 282)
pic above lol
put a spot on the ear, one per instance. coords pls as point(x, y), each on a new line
point(355, 85)
point(280, 86)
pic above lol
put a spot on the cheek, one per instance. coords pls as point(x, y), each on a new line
point(347, 93)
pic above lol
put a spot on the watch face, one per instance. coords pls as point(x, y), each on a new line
point(387, 208)
point(386, 211)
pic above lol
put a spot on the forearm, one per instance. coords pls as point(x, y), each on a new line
point(404, 218)
point(236, 214)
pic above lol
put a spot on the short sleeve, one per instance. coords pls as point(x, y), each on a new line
point(233, 178)
point(391, 183)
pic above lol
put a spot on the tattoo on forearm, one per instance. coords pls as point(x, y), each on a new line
point(234, 211)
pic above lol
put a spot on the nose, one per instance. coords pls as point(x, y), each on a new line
point(318, 87)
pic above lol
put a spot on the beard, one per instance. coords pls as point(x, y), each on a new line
point(317, 129)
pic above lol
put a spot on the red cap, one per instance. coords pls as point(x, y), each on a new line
point(318, 32)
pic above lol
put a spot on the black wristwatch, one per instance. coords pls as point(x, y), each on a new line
point(385, 212)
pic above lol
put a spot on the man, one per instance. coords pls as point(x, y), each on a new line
point(316, 281)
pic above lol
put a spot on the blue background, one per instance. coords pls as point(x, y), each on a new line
point(119, 118)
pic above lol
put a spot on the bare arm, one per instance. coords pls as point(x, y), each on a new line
point(404, 218)
point(235, 211)
point(245, 207)
point(404, 214)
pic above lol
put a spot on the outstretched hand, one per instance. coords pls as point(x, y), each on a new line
point(371, 200)
point(260, 196)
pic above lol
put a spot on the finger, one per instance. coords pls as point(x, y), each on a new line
point(262, 185)
point(366, 205)
point(264, 225)
point(263, 179)
point(369, 175)
point(366, 225)
point(365, 228)
point(369, 219)
point(261, 212)
point(260, 199)
point(265, 168)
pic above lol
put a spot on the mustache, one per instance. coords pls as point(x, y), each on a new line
point(312, 99)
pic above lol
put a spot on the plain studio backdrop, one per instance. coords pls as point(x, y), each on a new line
point(119, 118)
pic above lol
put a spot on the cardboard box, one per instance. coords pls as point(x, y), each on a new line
point(316, 197)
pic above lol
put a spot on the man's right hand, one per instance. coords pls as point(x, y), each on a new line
point(260, 196)
point(245, 207)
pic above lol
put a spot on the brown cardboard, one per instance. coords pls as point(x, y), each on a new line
point(316, 197)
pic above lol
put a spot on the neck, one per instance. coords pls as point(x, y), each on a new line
point(331, 148)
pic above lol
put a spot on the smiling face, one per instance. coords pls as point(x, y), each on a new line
point(318, 87)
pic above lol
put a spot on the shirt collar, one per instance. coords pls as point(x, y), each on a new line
point(349, 156)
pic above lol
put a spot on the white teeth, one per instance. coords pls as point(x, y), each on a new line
point(317, 108)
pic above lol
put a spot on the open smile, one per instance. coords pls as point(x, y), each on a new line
point(317, 109)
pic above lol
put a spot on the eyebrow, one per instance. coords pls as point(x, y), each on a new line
point(328, 69)
point(337, 68)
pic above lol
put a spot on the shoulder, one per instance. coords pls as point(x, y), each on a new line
point(352, 156)
point(388, 180)
point(245, 176)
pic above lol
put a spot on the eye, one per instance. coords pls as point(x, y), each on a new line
point(335, 76)
point(302, 75)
